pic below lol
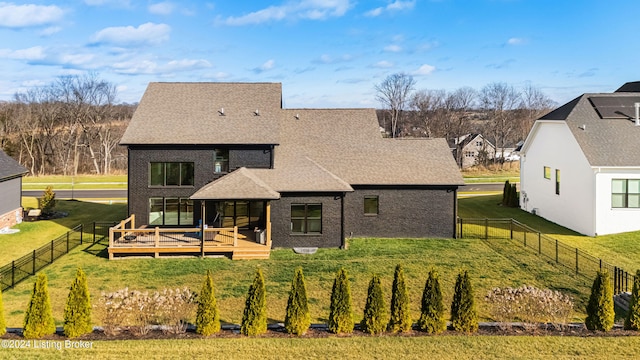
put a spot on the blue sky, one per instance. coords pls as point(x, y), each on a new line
point(326, 53)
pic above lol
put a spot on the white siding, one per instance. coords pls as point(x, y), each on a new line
point(552, 144)
point(610, 220)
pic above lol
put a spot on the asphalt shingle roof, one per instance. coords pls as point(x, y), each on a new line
point(604, 141)
point(317, 149)
point(9, 168)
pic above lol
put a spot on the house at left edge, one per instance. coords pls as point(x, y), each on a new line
point(11, 173)
point(229, 156)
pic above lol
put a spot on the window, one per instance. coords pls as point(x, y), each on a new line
point(221, 161)
point(557, 182)
point(469, 154)
point(170, 211)
point(371, 205)
point(547, 172)
point(625, 193)
point(306, 218)
point(243, 214)
point(171, 174)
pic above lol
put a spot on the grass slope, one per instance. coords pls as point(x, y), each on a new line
point(488, 269)
point(60, 182)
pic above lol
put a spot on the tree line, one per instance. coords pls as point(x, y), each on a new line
point(70, 126)
point(499, 111)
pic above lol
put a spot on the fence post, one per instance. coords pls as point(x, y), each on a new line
point(81, 232)
point(33, 258)
point(539, 244)
point(67, 242)
point(600, 264)
point(556, 251)
point(615, 280)
point(13, 273)
point(577, 271)
point(486, 229)
point(94, 232)
point(52, 250)
point(511, 229)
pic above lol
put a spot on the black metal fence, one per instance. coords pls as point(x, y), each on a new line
point(562, 254)
point(101, 230)
point(28, 265)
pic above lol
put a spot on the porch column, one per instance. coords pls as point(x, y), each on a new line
point(268, 217)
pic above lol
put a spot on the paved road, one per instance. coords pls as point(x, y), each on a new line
point(81, 194)
point(484, 187)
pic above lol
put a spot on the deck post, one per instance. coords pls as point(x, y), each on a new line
point(133, 221)
point(268, 242)
point(203, 207)
point(235, 236)
point(157, 241)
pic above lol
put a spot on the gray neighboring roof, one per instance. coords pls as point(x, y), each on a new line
point(189, 113)
point(9, 168)
point(239, 184)
point(605, 142)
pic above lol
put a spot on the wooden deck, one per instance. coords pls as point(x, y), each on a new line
point(125, 240)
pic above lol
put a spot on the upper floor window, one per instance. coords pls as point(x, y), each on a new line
point(171, 174)
point(306, 218)
point(221, 161)
point(625, 193)
point(557, 182)
point(547, 172)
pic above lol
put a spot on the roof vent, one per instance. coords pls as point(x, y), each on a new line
point(221, 111)
point(257, 112)
point(637, 106)
point(297, 116)
point(582, 127)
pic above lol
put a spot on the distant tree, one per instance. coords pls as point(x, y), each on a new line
point(632, 321)
point(38, 319)
point(394, 94)
point(500, 100)
point(207, 316)
point(432, 310)
point(254, 319)
point(298, 318)
point(429, 105)
point(400, 319)
point(464, 316)
point(77, 312)
point(534, 104)
point(600, 309)
point(506, 192)
point(341, 313)
point(513, 196)
point(375, 309)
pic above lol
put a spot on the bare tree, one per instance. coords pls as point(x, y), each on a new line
point(500, 101)
point(534, 104)
point(427, 104)
point(394, 94)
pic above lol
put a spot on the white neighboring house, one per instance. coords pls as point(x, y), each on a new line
point(580, 164)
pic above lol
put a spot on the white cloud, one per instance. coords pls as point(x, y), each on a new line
point(425, 69)
point(394, 6)
point(20, 16)
point(147, 66)
point(328, 59)
point(294, 10)
point(148, 33)
point(383, 64)
point(50, 31)
point(515, 41)
point(135, 67)
point(186, 64)
point(77, 59)
point(393, 48)
point(162, 8)
point(32, 53)
point(268, 65)
point(122, 3)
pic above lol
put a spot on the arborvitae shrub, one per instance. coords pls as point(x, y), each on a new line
point(207, 317)
point(254, 319)
point(298, 319)
point(632, 321)
point(48, 200)
point(3, 323)
point(341, 313)
point(506, 191)
point(432, 311)
point(375, 309)
point(38, 320)
point(77, 312)
point(513, 196)
point(400, 319)
point(464, 317)
point(600, 312)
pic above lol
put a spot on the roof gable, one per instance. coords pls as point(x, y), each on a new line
point(239, 184)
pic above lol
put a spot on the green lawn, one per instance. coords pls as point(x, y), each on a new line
point(80, 182)
point(338, 347)
point(622, 250)
point(488, 269)
point(32, 235)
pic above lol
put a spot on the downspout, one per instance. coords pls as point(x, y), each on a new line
point(129, 202)
point(455, 212)
point(594, 206)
